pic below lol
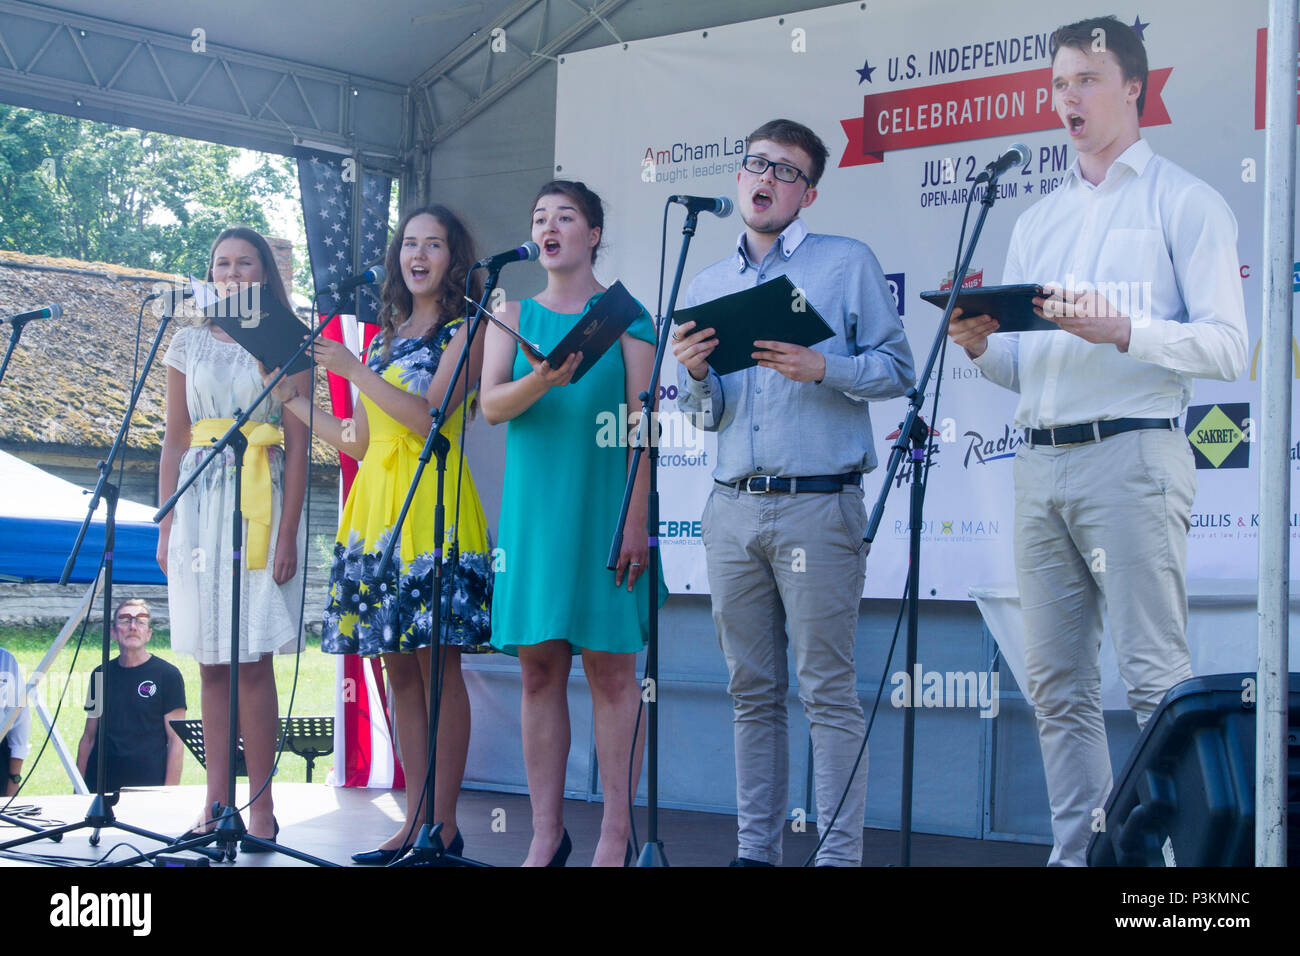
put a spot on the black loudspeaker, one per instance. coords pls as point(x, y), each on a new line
point(1191, 780)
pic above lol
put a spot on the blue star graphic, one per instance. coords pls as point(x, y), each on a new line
point(865, 72)
point(1029, 187)
point(1140, 28)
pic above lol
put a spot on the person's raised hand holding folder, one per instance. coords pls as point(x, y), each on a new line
point(554, 377)
point(692, 349)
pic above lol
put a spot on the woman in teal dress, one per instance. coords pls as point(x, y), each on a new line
point(563, 485)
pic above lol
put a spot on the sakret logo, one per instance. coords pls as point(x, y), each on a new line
point(1217, 435)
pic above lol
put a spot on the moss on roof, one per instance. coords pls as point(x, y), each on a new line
point(68, 382)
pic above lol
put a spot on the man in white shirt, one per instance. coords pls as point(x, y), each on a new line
point(1142, 263)
point(15, 723)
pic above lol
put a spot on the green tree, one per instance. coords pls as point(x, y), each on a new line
point(103, 193)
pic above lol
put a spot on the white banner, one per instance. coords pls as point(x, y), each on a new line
point(912, 101)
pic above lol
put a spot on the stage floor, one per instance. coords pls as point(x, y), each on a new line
point(332, 823)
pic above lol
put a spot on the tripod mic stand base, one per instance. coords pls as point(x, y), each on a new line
point(652, 854)
point(428, 850)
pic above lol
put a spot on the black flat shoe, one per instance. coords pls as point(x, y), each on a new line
point(247, 847)
point(561, 852)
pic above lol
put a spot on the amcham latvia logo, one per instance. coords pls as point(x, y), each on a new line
point(1217, 435)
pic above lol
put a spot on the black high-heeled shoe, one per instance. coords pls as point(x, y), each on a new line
point(375, 857)
point(384, 857)
point(562, 851)
point(247, 847)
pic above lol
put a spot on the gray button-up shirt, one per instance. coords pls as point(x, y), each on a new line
point(769, 425)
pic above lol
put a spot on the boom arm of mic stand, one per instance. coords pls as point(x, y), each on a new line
point(106, 466)
point(242, 419)
point(912, 426)
point(648, 396)
point(14, 336)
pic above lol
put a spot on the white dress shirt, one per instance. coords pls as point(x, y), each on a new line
point(12, 693)
point(1162, 246)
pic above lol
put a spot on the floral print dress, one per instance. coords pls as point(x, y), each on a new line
point(370, 617)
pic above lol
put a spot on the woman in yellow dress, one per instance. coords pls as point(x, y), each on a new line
point(406, 373)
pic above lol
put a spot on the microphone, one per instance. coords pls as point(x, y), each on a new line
point(374, 274)
point(49, 312)
point(720, 206)
point(1017, 155)
point(528, 252)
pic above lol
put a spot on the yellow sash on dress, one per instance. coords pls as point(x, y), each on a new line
point(385, 452)
point(255, 479)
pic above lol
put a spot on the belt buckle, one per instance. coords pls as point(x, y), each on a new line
point(767, 484)
point(1096, 432)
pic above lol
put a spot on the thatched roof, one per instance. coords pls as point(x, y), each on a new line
point(69, 381)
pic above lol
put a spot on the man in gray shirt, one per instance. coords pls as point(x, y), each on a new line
point(783, 527)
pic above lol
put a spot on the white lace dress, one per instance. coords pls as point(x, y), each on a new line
point(221, 377)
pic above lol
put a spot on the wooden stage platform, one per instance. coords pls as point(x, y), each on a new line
point(332, 823)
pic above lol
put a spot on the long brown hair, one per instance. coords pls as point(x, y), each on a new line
point(270, 271)
point(395, 297)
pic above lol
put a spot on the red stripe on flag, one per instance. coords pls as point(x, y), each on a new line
point(359, 711)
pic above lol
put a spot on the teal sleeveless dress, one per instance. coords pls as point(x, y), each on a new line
point(559, 504)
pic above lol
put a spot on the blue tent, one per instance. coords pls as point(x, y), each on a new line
point(40, 516)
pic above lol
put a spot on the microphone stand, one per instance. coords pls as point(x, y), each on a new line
point(230, 827)
point(14, 336)
point(428, 848)
point(100, 815)
point(652, 852)
point(4, 817)
point(913, 437)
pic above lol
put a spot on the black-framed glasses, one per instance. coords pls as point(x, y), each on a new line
point(128, 620)
point(786, 173)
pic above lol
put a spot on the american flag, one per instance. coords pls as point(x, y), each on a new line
point(363, 740)
point(326, 182)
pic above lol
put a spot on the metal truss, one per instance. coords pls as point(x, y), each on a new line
point(98, 69)
point(479, 72)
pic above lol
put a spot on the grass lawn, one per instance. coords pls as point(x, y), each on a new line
point(315, 698)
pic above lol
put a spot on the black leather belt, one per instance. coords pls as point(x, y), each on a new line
point(1094, 431)
point(769, 484)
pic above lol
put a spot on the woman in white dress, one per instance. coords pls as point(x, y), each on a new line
point(209, 378)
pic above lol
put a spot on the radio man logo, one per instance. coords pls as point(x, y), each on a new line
point(147, 689)
point(1216, 435)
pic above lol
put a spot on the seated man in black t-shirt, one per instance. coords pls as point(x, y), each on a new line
point(145, 693)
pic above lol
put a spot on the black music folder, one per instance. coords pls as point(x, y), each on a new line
point(1011, 305)
point(257, 319)
point(596, 331)
point(772, 312)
